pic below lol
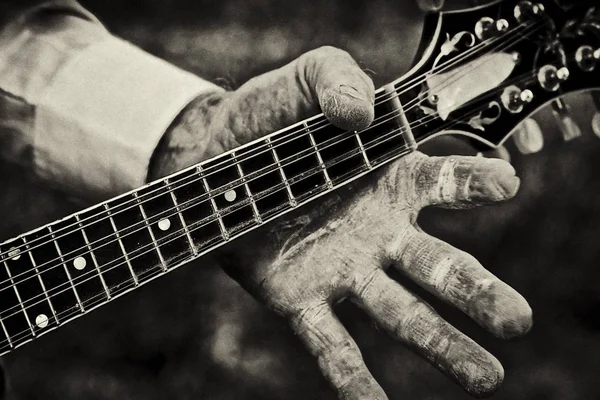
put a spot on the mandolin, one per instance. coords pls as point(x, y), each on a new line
point(481, 73)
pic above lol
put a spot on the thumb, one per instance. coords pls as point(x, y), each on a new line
point(326, 79)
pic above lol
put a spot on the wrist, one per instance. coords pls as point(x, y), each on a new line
point(189, 139)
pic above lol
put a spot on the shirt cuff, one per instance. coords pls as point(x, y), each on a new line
point(101, 118)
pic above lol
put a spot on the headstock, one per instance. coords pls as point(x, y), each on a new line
point(486, 69)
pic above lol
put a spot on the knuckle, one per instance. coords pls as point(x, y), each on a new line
point(446, 186)
point(364, 283)
point(312, 60)
point(330, 52)
point(418, 319)
point(342, 364)
point(410, 178)
point(310, 317)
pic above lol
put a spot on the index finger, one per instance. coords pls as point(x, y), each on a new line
point(462, 182)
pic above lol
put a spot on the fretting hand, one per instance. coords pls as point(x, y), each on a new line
point(340, 247)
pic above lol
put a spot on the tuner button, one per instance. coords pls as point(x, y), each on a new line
point(502, 25)
point(585, 58)
point(523, 11)
point(538, 8)
point(566, 124)
point(528, 137)
point(514, 99)
point(549, 79)
point(486, 27)
point(563, 74)
point(597, 54)
point(483, 28)
point(526, 96)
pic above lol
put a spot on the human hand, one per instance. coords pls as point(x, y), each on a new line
point(340, 248)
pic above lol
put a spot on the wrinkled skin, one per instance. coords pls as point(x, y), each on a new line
point(340, 247)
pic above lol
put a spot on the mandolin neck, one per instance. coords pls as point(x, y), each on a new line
point(63, 270)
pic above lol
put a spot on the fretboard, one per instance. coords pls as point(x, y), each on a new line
point(63, 270)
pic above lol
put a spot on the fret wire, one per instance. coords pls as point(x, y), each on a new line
point(10, 343)
point(37, 273)
point(180, 215)
point(442, 67)
point(93, 256)
point(271, 149)
point(333, 143)
point(178, 235)
point(257, 216)
point(291, 197)
point(362, 150)
point(145, 217)
point(128, 262)
point(319, 158)
point(62, 260)
point(286, 183)
point(341, 159)
point(213, 204)
point(19, 299)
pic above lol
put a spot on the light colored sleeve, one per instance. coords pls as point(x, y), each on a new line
point(80, 107)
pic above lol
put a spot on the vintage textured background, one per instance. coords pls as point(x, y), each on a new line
point(196, 334)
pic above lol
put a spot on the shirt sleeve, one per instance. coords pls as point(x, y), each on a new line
point(80, 107)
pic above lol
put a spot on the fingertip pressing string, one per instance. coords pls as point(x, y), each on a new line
point(386, 137)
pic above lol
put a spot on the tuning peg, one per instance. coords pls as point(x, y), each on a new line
point(587, 58)
point(486, 27)
point(514, 99)
point(551, 77)
point(528, 137)
point(527, 10)
point(566, 124)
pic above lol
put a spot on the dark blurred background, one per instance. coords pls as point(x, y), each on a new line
point(196, 335)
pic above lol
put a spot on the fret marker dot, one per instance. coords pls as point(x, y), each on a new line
point(164, 224)
point(14, 254)
point(230, 195)
point(79, 263)
point(41, 321)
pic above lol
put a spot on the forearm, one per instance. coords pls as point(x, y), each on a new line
point(81, 108)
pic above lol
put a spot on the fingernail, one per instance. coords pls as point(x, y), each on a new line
point(352, 92)
point(503, 181)
point(483, 377)
point(510, 186)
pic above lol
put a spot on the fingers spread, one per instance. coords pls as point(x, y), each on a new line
point(407, 318)
point(460, 182)
point(458, 278)
point(339, 358)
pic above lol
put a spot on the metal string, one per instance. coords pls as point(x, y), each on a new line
point(177, 234)
point(357, 152)
point(235, 208)
point(452, 62)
